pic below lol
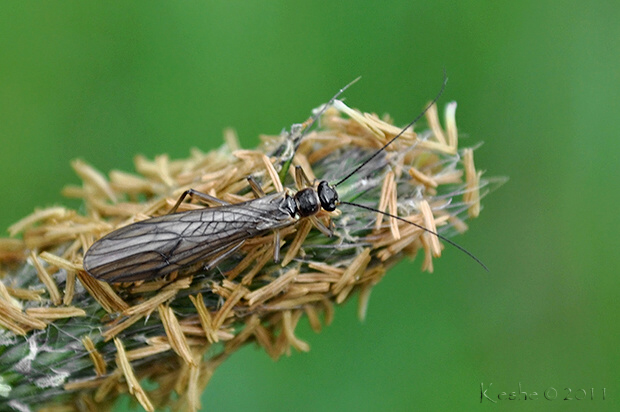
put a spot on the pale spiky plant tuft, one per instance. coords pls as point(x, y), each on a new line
point(71, 341)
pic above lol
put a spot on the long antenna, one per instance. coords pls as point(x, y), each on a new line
point(375, 154)
point(445, 239)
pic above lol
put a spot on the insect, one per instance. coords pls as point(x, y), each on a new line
point(155, 247)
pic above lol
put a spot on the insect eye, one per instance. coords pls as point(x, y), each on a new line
point(328, 196)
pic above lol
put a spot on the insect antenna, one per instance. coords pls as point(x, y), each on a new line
point(418, 117)
point(445, 239)
point(375, 154)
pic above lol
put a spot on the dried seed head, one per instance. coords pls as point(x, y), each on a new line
point(162, 330)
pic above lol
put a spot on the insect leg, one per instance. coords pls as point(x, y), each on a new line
point(203, 196)
point(276, 246)
point(301, 179)
point(256, 189)
point(319, 225)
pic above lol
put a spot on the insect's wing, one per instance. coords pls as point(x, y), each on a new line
point(155, 247)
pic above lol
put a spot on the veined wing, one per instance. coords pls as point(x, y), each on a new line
point(160, 245)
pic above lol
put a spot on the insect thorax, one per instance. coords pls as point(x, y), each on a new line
point(307, 201)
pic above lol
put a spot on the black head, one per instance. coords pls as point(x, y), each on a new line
point(328, 196)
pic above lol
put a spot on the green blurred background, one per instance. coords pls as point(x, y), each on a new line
point(536, 81)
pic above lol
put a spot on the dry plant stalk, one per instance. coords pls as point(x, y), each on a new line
point(70, 342)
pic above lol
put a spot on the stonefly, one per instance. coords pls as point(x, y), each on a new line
point(155, 247)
